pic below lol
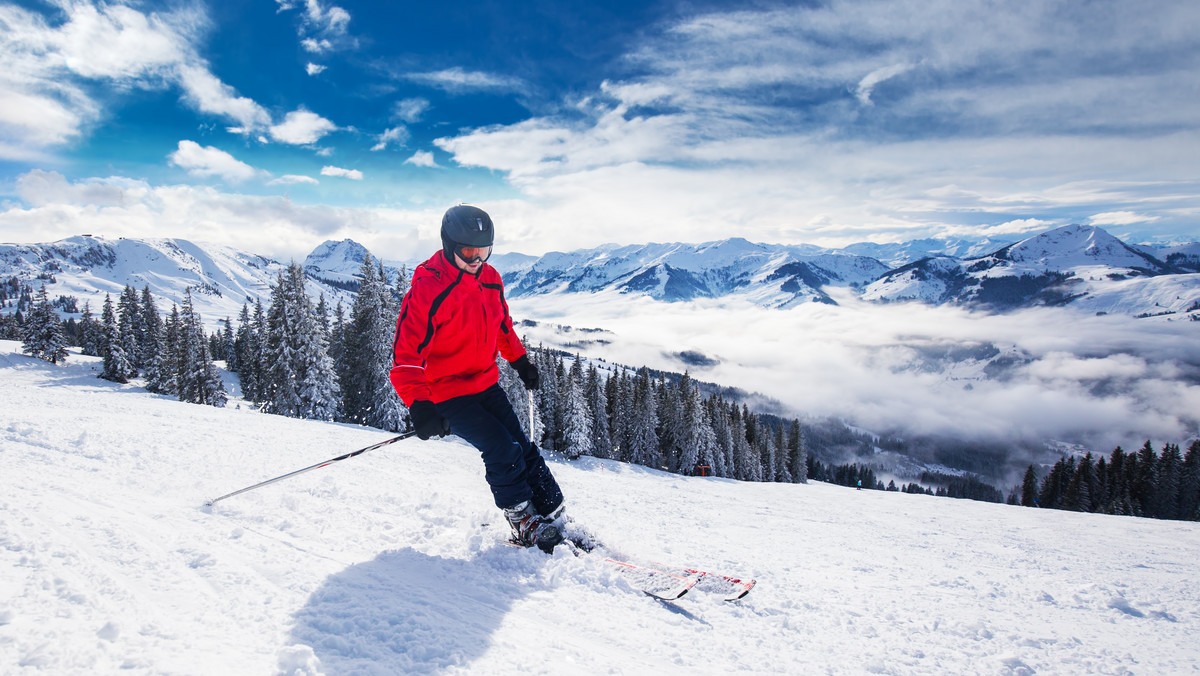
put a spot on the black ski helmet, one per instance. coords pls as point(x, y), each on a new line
point(465, 225)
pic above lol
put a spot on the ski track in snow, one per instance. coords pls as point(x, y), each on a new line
point(392, 562)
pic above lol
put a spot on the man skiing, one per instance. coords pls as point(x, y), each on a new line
point(453, 321)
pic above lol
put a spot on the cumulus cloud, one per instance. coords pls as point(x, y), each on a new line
point(207, 161)
point(353, 174)
point(410, 110)
point(270, 225)
point(422, 158)
point(46, 70)
point(314, 69)
point(994, 118)
point(322, 27)
point(301, 127)
point(210, 95)
point(396, 136)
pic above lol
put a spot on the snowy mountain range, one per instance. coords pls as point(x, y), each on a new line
point(220, 278)
point(1078, 265)
point(1081, 265)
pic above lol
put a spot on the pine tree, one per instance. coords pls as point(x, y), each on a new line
point(1081, 487)
point(798, 453)
point(43, 334)
point(643, 439)
point(718, 413)
point(368, 397)
point(116, 363)
point(698, 447)
point(1170, 471)
point(91, 332)
point(129, 321)
point(1145, 482)
point(150, 327)
point(577, 417)
point(300, 379)
point(619, 392)
point(597, 401)
point(518, 396)
point(227, 353)
point(1029, 487)
point(782, 472)
point(248, 355)
point(672, 431)
point(1189, 484)
point(198, 380)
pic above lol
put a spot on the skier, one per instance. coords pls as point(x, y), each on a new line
point(452, 323)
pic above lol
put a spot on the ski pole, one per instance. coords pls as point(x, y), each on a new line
point(531, 415)
point(319, 465)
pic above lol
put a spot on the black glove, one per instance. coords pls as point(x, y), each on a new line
point(527, 372)
point(426, 420)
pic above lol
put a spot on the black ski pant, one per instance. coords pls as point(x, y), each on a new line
point(515, 470)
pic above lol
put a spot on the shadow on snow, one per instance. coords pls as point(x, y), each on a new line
point(404, 612)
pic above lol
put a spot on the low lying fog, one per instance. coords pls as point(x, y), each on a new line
point(1035, 375)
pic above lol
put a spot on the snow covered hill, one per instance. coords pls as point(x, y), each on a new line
point(390, 563)
point(1078, 265)
point(221, 278)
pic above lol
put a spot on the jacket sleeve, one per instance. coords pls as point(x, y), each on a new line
point(508, 342)
point(414, 331)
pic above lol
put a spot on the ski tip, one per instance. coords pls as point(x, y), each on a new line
point(747, 585)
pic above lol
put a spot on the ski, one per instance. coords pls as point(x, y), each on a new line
point(650, 581)
point(658, 584)
point(657, 580)
point(730, 588)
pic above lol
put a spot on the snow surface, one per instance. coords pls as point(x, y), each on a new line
point(391, 562)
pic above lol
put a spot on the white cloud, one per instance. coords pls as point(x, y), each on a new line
point(210, 95)
point(353, 174)
point(46, 70)
point(752, 121)
point(1120, 218)
point(323, 28)
point(410, 110)
point(316, 46)
point(267, 224)
point(290, 179)
point(314, 69)
point(878, 365)
point(459, 80)
point(868, 83)
point(396, 136)
point(301, 127)
point(207, 161)
point(422, 158)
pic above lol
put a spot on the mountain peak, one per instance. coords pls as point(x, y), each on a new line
point(1078, 246)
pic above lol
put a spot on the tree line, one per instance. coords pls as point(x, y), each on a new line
point(653, 420)
point(1162, 485)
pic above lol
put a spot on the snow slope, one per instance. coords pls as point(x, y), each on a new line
point(390, 562)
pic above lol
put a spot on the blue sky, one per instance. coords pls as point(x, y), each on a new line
point(273, 125)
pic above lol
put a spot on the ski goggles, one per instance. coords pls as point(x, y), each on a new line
point(473, 254)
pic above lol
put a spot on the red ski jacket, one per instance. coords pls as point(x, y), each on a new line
point(451, 325)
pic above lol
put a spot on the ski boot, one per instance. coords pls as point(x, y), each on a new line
point(529, 529)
